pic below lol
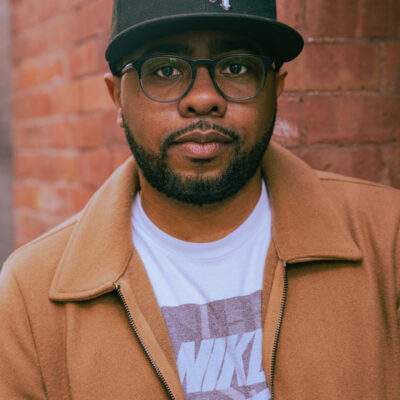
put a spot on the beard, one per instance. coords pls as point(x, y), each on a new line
point(199, 190)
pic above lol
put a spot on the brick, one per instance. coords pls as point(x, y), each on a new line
point(321, 120)
point(335, 66)
point(30, 43)
point(57, 200)
point(59, 32)
point(104, 12)
point(32, 105)
point(289, 123)
point(94, 94)
point(367, 164)
point(379, 18)
point(29, 224)
point(62, 134)
point(66, 98)
point(77, 2)
point(30, 135)
point(334, 18)
point(51, 198)
point(363, 163)
point(351, 119)
point(17, 52)
point(38, 71)
point(93, 18)
point(51, 68)
point(53, 35)
point(119, 156)
point(88, 131)
point(24, 164)
point(26, 194)
point(23, 15)
point(113, 133)
point(17, 17)
point(95, 166)
point(67, 167)
point(391, 75)
point(381, 119)
point(297, 73)
point(45, 166)
point(393, 163)
point(51, 8)
point(291, 12)
point(28, 75)
point(78, 198)
point(84, 58)
point(39, 164)
point(102, 43)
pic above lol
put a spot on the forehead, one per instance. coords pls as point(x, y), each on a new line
point(204, 43)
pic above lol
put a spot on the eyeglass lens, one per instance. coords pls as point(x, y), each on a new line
point(167, 78)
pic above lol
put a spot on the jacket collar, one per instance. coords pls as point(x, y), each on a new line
point(306, 226)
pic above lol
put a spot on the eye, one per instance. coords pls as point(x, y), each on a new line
point(234, 68)
point(167, 71)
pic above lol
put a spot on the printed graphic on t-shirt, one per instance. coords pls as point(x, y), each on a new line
point(218, 348)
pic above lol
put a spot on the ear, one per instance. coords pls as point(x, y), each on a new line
point(113, 84)
point(280, 77)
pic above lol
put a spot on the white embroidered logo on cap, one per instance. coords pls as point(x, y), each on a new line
point(225, 4)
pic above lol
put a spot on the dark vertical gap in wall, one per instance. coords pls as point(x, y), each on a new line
point(6, 197)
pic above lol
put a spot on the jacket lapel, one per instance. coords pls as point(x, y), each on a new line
point(306, 225)
point(101, 244)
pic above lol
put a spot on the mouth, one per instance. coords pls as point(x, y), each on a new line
point(200, 144)
point(203, 137)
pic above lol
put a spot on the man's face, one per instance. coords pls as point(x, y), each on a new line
point(202, 148)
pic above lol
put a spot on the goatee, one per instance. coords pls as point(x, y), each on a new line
point(199, 190)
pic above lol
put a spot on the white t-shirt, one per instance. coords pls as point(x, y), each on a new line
point(210, 297)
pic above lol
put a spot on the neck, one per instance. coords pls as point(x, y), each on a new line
point(200, 224)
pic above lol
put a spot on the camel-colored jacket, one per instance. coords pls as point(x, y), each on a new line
point(74, 302)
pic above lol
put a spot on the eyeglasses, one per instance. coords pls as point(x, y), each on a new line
point(167, 78)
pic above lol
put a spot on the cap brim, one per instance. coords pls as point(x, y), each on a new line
point(281, 41)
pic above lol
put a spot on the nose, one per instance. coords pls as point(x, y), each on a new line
point(203, 98)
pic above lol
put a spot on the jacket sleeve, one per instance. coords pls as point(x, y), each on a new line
point(20, 376)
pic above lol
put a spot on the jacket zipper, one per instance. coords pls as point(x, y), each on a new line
point(144, 347)
point(278, 329)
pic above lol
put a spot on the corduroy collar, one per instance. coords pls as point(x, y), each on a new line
point(306, 226)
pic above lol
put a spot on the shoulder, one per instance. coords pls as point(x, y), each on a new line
point(33, 265)
point(371, 210)
point(352, 190)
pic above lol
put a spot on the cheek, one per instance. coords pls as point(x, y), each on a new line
point(265, 110)
point(255, 116)
point(253, 119)
point(141, 115)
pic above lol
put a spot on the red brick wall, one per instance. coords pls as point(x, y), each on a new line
point(340, 110)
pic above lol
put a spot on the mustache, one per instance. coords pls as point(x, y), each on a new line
point(202, 125)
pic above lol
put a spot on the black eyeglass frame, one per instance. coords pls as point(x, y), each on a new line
point(138, 62)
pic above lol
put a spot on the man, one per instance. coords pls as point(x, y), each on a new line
point(207, 266)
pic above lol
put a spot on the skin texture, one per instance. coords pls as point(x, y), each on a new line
point(151, 123)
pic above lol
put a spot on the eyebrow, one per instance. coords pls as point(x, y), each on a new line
point(168, 48)
point(216, 47)
point(224, 46)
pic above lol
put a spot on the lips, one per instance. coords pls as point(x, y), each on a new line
point(202, 144)
point(203, 137)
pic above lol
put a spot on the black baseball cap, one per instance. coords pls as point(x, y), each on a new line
point(135, 22)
